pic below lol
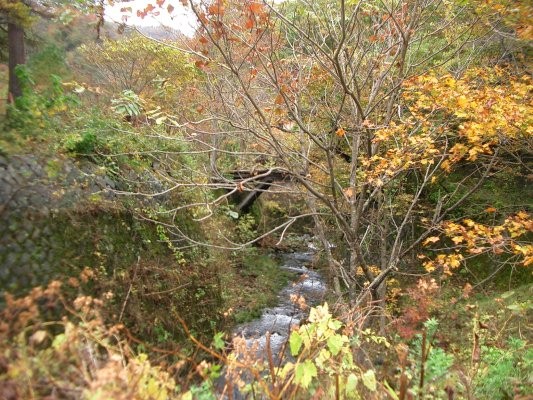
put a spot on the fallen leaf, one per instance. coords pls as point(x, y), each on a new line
point(432, 239)
point(467, 290)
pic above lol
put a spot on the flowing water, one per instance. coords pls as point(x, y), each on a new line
point(279, 319)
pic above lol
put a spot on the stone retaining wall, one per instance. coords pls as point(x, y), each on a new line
point(58, 215)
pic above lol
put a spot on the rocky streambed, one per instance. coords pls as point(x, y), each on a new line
point(278, 320)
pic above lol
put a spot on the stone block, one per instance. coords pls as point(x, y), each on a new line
point(11, 261)
point(22, 235)
point(36, 233)
point(25, 259)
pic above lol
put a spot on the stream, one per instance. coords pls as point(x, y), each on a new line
point(279, 319)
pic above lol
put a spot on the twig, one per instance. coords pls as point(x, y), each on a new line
point(129, 289)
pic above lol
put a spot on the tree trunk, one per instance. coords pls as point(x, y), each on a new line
point(15, 38)
point(381, 292)
point(321, 234)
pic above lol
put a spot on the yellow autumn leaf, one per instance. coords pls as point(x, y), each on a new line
point(525, 250)
point(458, 239)
point(522, 215)
point(429, 266)
point(432, 239)
point(446, 166)
point(450, 82)
point(462, 101)
point(455, 261)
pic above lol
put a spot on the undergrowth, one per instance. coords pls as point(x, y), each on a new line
point(52, 347)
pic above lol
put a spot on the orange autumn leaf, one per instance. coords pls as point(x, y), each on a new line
point(349, 192)
point(340, 132)
point(256, 8)
point(467, 289)
point(458, 239)
point(216, 9)
point(249, 24)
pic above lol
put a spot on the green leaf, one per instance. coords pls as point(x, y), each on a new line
point(304, 373)
point(233, 214)
point(282, 373)
point(218, 341)
point(58, 341)
point(351, 386)
point(321, 359)
point(369, 380)
point(335, 343)
point(334, 324)
point(515, 307)
point(391, 391)
point(295, 343)
point(507, 294)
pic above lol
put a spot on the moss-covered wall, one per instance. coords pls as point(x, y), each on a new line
point(36, 248)
point(56, 218)
point(59, 215)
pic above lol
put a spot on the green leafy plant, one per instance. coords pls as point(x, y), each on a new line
point(37, 109)
point(321, 363)
point(505, 372)
point(129, 104)
point(163, 237)
point(431, 366)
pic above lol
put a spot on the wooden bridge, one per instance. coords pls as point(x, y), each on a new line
point(260, 179)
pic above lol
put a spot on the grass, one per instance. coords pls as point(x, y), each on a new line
point(495, 315)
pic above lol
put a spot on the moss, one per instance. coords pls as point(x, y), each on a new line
point(254, 285)
point(53, 168)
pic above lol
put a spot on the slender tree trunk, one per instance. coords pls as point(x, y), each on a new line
point(381, 292)
point(15, 38)
point(213, 154)
point(321, 234)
